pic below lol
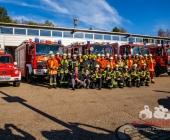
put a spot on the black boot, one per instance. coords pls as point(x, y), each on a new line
point(55, 86)
point(49, 87)
point(99, 88)
point(137, 84)
point(130, 84)
point(73, 88)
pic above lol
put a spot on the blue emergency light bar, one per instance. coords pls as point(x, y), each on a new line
point(59, 42)
point(36, 39)
point(88, 42)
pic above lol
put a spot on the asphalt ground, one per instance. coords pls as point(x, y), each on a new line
point(32, 111)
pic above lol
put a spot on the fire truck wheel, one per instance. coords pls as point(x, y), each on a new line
point(169, 73)
point(16, 83)
point(28, 77)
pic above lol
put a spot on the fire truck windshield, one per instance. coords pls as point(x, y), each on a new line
point(46, 49)
point(5, 59)
point(168, 51)
point(141, 50)
point(101, 49)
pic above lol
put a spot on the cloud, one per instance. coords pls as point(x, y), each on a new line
point(97, 14)
point(162, 26)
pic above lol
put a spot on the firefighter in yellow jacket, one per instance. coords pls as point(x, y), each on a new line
point(52, 66)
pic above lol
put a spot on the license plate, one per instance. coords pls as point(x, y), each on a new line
point(3, 78)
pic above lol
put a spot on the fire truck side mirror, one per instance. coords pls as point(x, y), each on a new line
point(27, 48)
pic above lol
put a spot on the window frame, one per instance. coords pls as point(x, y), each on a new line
point(34, 30)
point(98, 38)
point(44, 30)
point(56, 31)
point(67, 32)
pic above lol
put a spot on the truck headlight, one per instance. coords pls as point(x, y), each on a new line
point(16, 71)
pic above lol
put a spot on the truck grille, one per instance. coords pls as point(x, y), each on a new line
point(41, 64)
point(5, 72)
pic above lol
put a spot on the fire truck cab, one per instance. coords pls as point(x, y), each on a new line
point(161, 54)
point(32, 57)
point(8, 70)
point(93, 48)
point(133, 49)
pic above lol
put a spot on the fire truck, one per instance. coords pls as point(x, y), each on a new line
point(32, 57)
point(92, 48)
point(133, 49)
point(9, 72)
point(161, 54)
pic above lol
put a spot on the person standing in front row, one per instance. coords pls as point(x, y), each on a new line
point(52, 66)
point(76, 78)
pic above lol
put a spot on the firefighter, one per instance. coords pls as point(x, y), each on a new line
point(145, 75)
point(115, 58)
point(151, 64)
point(74, 62)
point(96, 77)
point(80, 59)
point(117, 78)
point(58, 58)
point(90, 58)
point(84, 65)
point(93, 63)
point(102, 63)
point(129, 62)
point(135, 75)
point(120, 62)
point(146, 58)
point(126, 77)
point(107, 57)
point(52, 66)
point(107, 77)
point(69, 60)
point(136, 59)
point(98, 58)
point(141, 62)
point(124, 58)
point(64, 71)
point(86, 78)
point(111, 63)
point(76, 78)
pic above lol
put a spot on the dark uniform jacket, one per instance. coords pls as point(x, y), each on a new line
point(73, 75)
point(86, 76)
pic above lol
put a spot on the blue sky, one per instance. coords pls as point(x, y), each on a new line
point(136, 16)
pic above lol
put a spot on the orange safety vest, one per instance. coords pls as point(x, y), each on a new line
point(151, 64)
point(98, 59)
point(53, 66)
point(141, 62)
point(103, 64)
point(129, 62)
point(112, 64)
point(58, 59)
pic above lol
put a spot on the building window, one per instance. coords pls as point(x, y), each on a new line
point(97, 36)
point(115, 37)
point(20, 31)
point(78, 35)
point(5, 30)
point(158, 42)
point(32, 32)
point(45, 33)
point(89, 36)
point(150, 40)
point(139, 40)
point(68, 34)
point(107, 37)
point(123, 38)
point(57, 33)
point(131, 39)
point(145, 40)
point(168, 42)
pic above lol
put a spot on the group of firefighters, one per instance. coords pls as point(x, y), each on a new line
point(101, 70)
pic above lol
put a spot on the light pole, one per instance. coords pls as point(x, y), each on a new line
point(75, 22)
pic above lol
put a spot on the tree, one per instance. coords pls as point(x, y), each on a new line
point(122, 30)
point(34, 23)
point(115, 29)
point(48, 23)
point(167, 33)
point(90, 28)
point(161, 32)
point(4, 16)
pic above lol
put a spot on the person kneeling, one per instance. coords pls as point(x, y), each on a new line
point(86, 79)
point(145, 76)
point(97, 78)
point(76, 78)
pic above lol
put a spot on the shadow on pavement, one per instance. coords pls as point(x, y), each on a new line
point(161, 91)
point(6, 133)
point(73, 131)
point(165, 102)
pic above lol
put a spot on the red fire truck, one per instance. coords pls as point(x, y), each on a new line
point(161, 54)
point(8, 70)
point(133, 49)
point(32, 57)
point(93, 48)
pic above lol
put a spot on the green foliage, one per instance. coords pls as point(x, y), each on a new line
point(121, 30)
point(4, 16)
point(90, 28)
